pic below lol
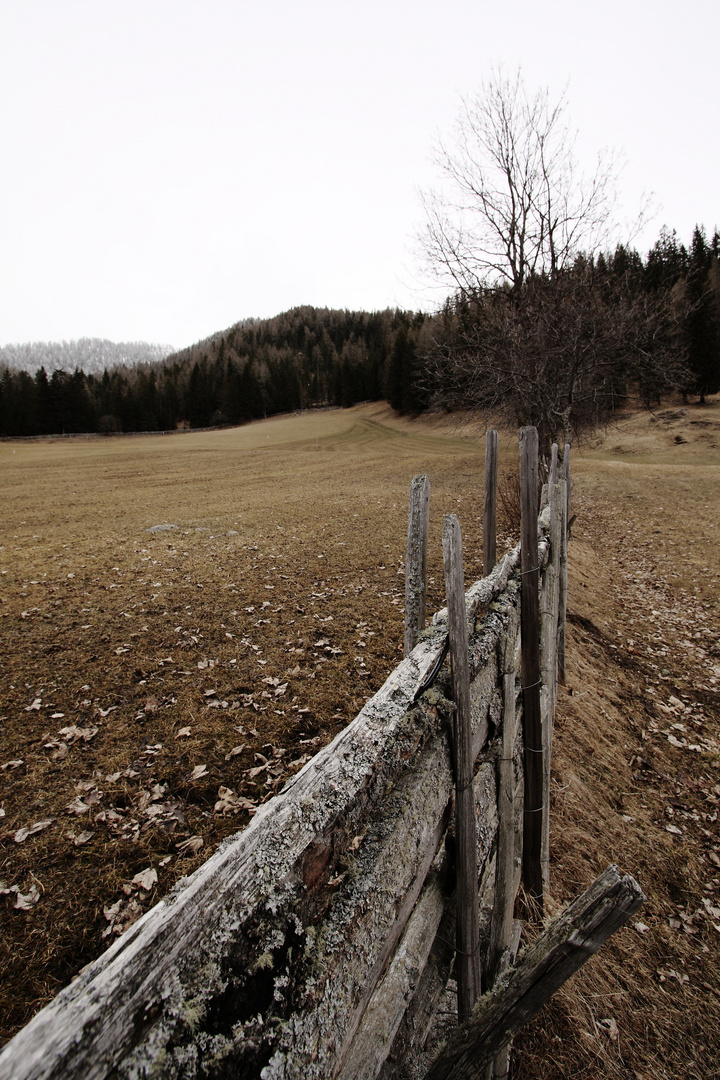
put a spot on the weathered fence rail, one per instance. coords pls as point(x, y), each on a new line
point(316, 943)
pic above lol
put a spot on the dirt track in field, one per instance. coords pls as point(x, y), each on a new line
point(158, 685)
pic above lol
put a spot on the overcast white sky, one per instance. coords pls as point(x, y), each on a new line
point(172, 166)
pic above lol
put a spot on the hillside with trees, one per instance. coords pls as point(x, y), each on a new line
point(560, 350)
point(303, 358)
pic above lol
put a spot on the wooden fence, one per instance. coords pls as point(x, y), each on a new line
point(316, 943)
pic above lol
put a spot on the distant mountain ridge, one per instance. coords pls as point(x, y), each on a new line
point(91, 355)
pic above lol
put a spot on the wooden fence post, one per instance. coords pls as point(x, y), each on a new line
point(549, 606)
point(490, 504)
point(501, 947)
point(416, 560)
point(563, 583)
point(505, 876)
point(567, 477)
point(468, 945)
point(530, 636)
point(552, 479)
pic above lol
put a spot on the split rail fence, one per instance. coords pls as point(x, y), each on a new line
point(317, 942)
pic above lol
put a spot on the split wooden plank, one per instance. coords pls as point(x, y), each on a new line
point(416, 560)
point(468, 940)
point(382, 1018)
point(532, 720)
point(490, 502)
point(571, 939)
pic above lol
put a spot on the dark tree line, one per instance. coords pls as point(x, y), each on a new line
point(563, 348)
point(560, 350)
point(304, 358)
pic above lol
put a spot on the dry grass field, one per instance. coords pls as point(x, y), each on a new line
point(157, 684)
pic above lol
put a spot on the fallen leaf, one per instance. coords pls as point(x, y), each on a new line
point(198, 772)
point(146, 879)
point(27, 901)
point(191, 846)
point(121, 915)
point(670, 973)
point(183, 733)
point(11, 765)
point(641, 927)
point(235, 751)
point(229, 802)
point(36, 705)
point(81, 838)
point(111, 912)
point(610, 1028)
point(74, 732)
point(22, 834)
point(83, 806)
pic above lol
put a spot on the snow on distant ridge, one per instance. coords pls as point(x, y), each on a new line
point(91, 355)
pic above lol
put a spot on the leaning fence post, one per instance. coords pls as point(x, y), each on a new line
point(530, 636)
point(468, 945)
point(565, 945)
point(490, 504)
point(416, 560)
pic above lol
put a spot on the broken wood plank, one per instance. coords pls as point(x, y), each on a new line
point(541, 969)
point(468, 941)
point(416, 560)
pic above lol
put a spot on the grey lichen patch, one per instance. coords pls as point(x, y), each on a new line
point(193, 1013)
point(264, 962)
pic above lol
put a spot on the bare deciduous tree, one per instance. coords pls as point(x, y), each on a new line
point(538, 329)
point(514, 203)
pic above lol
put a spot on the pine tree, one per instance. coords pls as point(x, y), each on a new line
point(703, 318)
